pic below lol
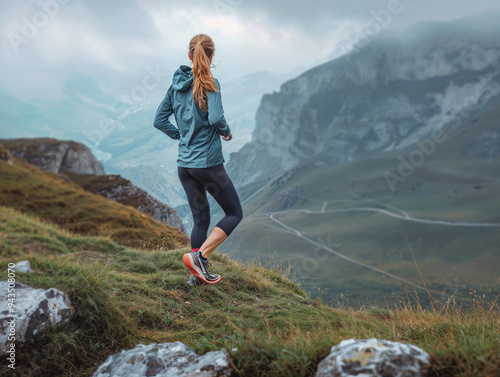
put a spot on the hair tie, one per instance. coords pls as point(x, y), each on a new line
point(198, 43)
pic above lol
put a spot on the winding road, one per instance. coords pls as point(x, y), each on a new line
point(329, 249)
point(402, 215)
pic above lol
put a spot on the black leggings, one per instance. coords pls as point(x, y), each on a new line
point(196, 183)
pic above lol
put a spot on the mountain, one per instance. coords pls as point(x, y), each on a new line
point(53, 197)
point(396, 90)
point(78, 163)
point(379, 169)
point(162, 183)
point(366, 230)
point(117, 124)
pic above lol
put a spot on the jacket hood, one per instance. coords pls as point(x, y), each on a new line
point(183, 78)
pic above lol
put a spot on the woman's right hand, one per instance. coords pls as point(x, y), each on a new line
point(228, 137)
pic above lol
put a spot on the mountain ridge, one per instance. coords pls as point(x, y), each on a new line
point(387, 96)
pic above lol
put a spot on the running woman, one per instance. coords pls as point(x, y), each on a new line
point(195, 100)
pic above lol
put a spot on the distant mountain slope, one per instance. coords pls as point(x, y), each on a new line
point(54, 198)
point(393, 92)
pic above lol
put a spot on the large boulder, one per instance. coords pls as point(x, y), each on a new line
point(35, 309)
point(165, 360)
point(372, 358)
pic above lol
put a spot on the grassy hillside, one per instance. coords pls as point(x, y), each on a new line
point(457, 183)
point(123, 296)
point(54, 198)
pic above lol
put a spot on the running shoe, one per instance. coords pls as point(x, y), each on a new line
point(199, 268)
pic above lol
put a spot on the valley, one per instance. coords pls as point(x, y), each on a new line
point(343, 229)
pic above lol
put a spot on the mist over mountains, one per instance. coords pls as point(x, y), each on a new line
point(395, 91)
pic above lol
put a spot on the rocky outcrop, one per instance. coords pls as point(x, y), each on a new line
point(121, 190)
point(56, 156)
point(34, 311)
point(388, 95)
point(165, 360)
point(372, 358)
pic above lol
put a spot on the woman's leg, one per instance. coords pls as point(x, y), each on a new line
point(198, 202)
point(197, 199)
point(216, 181)
point(216, 237)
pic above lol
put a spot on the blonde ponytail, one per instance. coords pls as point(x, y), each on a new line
point(201, 48)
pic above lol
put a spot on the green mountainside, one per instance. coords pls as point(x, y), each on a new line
point(445, 212)
point(124, 296)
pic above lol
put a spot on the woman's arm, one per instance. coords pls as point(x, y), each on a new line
point(164, 112)
point(216, 112)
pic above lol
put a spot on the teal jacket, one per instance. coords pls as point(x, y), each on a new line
point(199, 132)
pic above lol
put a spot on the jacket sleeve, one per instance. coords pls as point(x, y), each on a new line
point(216, 112)
point(164, 112)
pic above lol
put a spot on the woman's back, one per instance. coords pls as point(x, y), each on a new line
point(198, 130)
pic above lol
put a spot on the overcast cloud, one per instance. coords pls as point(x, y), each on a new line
point(116, 42)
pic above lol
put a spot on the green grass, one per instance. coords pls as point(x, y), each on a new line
point(124, 296)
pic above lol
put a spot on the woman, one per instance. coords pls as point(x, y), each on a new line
point(195, 100)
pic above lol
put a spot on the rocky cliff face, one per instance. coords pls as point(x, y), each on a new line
point(394, 91)
point(56, 156)
point(77, 162)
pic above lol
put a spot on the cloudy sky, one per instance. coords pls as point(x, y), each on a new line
point(50, 47)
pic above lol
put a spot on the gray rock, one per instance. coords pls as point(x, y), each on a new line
point(35, 310)
point(56, 156)
point(373, 357)
point(164, 360)
point(23, 266)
